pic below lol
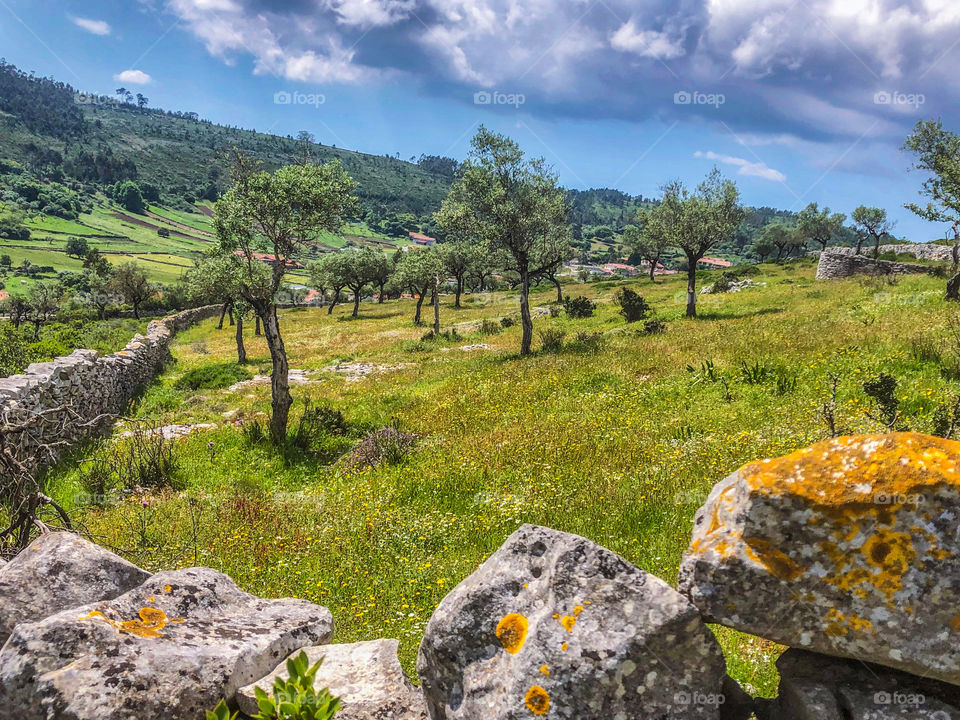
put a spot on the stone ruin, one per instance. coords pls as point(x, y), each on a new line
point(87, 385)
point(847, 552)
point(835, 264)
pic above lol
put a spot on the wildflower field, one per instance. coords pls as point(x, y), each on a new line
point(617, 436)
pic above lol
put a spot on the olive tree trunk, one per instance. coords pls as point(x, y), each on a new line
point(241, 349)
point(526, 320)
point(692, 286)
point(279, 379)
point(436, 306)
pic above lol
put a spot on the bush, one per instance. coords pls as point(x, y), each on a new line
point(141, 458)
point(315, 425)
point(212, 377)
point(590, 341)
point(490, 327)
point(654, 326)
point(579, 307)
point(386, 446)
point(551, 339)
point(507, 321)
point(633, 306)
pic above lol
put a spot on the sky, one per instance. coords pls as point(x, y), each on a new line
point(799, 101)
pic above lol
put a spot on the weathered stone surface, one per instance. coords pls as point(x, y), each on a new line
point(848, 548)
point(817, 687)
point(366, 676)
point(59, 571)
point(555, 624)
point(922, 251)
point(171, 649)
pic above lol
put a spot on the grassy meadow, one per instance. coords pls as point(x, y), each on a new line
point(618, 437)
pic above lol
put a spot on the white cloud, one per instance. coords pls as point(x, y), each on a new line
point(646, 43)
point(371, 13)
point(753, 169)
point(97, 27)
point(135, 77)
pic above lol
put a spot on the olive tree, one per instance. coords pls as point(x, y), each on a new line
point(651, 234)
point(510, 203)
point(818, 225)
point(130, 282)
point(871, 222)
point(420, 271)
point(937, 152)
point(280, 212)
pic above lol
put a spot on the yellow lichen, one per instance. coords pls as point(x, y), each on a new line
point(545, 670)
point(537, 700)
point(776, 562)
point(564, 647)
point(512, 632)
point(151, 622)
point(568, 621)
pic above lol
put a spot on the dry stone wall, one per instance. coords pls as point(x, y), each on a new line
point(835, 265)
point(922, 251)
point(87, 384)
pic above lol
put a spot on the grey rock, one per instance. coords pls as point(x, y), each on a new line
point(817, 687)
point(58, 571)
point(366, 676)
point(553, 623)
point(171, 649)
point(847, 548)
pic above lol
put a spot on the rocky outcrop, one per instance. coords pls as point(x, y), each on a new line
point(834, 266)
point(817, 687)
point(87, 385)
point(170, 649)
point(365, 676)
point(59, 571)
point(848, 548)
point(553, 623)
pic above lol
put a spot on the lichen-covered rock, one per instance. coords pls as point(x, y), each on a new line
point(58, 571)
point(817, 687)
point(848, 548)
point(366, 676)
point(171, 649)
point(555, 625)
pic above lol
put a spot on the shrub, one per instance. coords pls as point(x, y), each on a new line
point(883, 391)
point(316, 424)
point(140, 458)
point(490, 327)
point(294, 698)
point(452, 335)
point(215, 376)
point(551, 339)
point(632, 304)
point(507, 321)
point(579, 307)
point(653, 327)
point(221, 712)
point(590, 341)
point(387, 445)
point(554, 310)
point(722, 284)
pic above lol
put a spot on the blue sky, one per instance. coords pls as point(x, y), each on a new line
point(799, 100)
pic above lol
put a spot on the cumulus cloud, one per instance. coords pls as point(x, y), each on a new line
point(134, 77)
point(745, 167)
point(807, 70)
point(97, 27)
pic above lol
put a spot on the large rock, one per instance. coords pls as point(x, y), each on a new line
point(553, 623)
point(170, 649)
point(848, 548)
point(366, 676)
point(817, 687)
point(59, 571)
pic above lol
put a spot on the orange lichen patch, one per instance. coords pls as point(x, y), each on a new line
point(537, 700)
point(839, 625)
point(564, 647)
point(775, 561)
point(955, 624)
point(856, 469)
point(512, 632)
point(151, 622)
point(545, 670)
point(568, 621)
point(167, 588)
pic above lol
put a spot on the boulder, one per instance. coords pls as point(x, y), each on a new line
point(847, 548)
point(553, 623)
point(817, 687)
point(171, 649)
point(58, 571)
point(366, 676)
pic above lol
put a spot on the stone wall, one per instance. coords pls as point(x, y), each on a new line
point(88, 384)
point(922, 251)
point(834, 265)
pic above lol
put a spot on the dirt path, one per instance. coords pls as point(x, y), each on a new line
point(150, 226)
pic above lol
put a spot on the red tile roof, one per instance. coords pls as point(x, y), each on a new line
point(718, 262)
